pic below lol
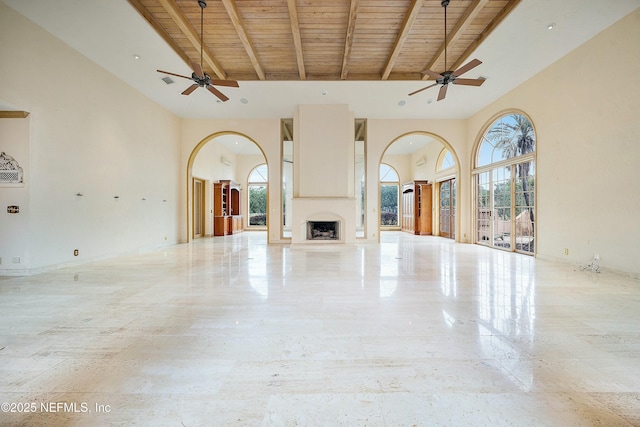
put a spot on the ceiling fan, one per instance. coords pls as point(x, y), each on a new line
point(450, 76)
point(200, 78)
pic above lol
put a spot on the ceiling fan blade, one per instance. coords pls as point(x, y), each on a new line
point(443, 92)
point(469, 82)
point(466, 67)
point(229, 83)
point(432, 74)
point(197, 69)
point(173, 74)
point(217, 93)
point(190, 89)
point(424, 88)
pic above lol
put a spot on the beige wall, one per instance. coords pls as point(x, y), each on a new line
point(323, 142)
point(586, 112)
point(102, 140)
point(14, 249)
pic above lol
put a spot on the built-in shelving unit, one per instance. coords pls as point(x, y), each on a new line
point(227, 218)
point(417, 207)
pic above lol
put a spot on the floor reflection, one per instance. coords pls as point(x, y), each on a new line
point(416, 330)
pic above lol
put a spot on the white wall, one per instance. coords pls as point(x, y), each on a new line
point(586, 112)
point(91, 134)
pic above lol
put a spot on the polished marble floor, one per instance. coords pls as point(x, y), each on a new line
point(230, 331)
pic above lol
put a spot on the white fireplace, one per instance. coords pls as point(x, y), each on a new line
point(323, 211)
point(323, 168)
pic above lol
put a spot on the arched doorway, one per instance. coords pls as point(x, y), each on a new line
point(222, 156)
point(425, 159)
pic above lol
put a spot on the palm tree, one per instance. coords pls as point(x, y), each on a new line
point(514, 136)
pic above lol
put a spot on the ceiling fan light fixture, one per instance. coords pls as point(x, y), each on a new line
point(199, 77)
point(450, 77)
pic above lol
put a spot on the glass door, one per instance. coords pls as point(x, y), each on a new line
point(448, 208)
point(525, 207)
point(493, 208)
point(501, 209)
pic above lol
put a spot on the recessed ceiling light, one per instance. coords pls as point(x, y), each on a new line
point(551, 26)
point(402, 103)
point(136, 56)
point(324, 93)
point(244, 100)
point(429, 101)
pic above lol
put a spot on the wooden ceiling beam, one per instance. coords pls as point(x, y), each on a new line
point(236, 20)
point(297, 39)
point(409, 19)
point(348, 41)
point(190, 33)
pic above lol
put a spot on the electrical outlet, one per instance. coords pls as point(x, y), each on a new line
point(566, 251)
point(76, 252)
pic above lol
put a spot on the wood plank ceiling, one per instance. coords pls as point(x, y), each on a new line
point(324, 39)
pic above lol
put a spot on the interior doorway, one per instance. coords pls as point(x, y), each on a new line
point(198, 208)
point(226, 156)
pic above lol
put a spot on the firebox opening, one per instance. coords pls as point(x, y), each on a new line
point(323, 230)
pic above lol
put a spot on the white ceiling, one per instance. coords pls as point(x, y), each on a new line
point(111, 32)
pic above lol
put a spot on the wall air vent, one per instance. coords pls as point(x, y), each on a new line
point(168, 80)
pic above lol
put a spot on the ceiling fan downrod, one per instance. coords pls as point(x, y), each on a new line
point(444, 4)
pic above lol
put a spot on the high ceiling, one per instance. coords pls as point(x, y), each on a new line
point(323, 40)
point(368, 54)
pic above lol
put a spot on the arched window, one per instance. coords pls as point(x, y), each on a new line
point(445, 160)
point(389, 196)
point(505, 185)
point(509, 136)
point(257, 195)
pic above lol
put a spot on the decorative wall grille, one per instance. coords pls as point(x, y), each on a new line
point(10, 170)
